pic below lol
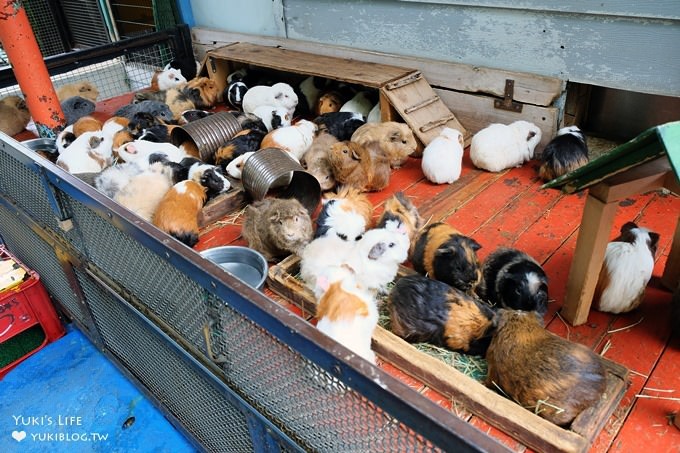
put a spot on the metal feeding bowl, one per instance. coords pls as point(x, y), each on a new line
point(207, 133)
point(44, 145)
point(244, 263)
point(272, 168)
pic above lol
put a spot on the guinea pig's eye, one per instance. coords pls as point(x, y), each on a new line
point(345, 151)
point(342, 236)
point(358, 238)
point(391, 244)
point(403, 141)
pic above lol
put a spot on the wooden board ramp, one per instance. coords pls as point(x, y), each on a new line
point(403, 91)
point(495, 409)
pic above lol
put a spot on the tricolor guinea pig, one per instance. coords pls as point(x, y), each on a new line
point(513, 279)
point(177, 212)
point(626, 270)
point(443, 253)
point(544, 373)
point(564, 153)
point(426, 310)
point(346, 214)
point(400, 208)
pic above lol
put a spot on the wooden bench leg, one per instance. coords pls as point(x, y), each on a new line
point(671, 273)
point(591, 244)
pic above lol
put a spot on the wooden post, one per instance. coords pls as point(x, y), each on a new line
point(18, 41)
point(591, 244)
point(671, 273)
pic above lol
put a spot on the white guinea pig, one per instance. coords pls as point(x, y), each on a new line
point(443, 157)
point(501, 146)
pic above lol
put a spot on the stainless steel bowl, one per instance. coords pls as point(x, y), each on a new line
point(48, 145)
point(244, 263)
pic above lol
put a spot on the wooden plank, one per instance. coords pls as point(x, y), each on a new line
point(431, 109)
point(671, 273)
point(223, 204)
point(351, 71)
point(495, 409)
point(529, 88)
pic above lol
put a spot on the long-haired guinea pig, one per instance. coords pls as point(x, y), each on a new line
point(349, 314)
point(400, 208)
point(341, 125)
point(203, 92)
point(177, 212)
point(443, 253)
point(443, 157)
point(14, 115)
point(513, 279)
point(277, 227)
point(144, 191)
point(426, 310)
point(500, 146)
point(626, 270)
point(366, 169)
point(315, 160)
point(544, 373)
point(346, 214)
point(564, 153)
point(395, 139)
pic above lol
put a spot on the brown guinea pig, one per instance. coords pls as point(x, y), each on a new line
point(395, 139)
point(177, 212)
point(277, 227)
point(315, 160)
point(426, 310)
point(445, 254)
point(328, 102)
point(365, 169)
point(208, 92)
point(553, 377)
point(82, 88)
point(14, 115)
point(399, 207)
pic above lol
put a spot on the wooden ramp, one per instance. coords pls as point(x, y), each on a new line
point(403, 91)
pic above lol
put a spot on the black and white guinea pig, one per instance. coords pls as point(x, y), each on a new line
point(443, 253)
point(341, 125)
point(564, 153)
point(210, 177)
point(426, 310)
point(513, 279)
point(626, 270)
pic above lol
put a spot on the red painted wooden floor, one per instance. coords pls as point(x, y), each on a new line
point(510, 209)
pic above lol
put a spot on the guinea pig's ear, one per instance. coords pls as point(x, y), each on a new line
point(654, 241)
point(279, 95)
point(628, 226)
point(377, 251)
point(274, 217)
point(530, 135)
point(354, 154)
point(395, 136)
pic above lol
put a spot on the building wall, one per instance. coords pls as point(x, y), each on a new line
point(629, 45)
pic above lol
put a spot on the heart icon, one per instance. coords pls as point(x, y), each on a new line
point(19, 435)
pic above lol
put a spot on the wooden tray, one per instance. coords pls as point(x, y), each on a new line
point(500, 412)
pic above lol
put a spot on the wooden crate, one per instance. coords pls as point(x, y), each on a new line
point(404, 92)
point(506, 415)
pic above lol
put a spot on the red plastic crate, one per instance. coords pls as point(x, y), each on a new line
point(24, 306)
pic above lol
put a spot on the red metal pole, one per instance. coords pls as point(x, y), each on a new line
point(18, 41)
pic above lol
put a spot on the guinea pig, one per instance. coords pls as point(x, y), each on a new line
point(186, 65)
point(445, 254)
point(280, 95)
point(626, 270)
point(235, 166)
point(315, 160)
point(295, 139)
point(91, 152)
point(400, 208)
point(341, 125)
point(158, 109)
point(328, 102)
point(75, 108)
point(14, 115)
point(273, 117)
point(203, 92)
point(349, 314)
point(361, 104)
point(311, 88)
point(167, 78)
point(513, 279)
point(191, 115)
point(364, 168)
point(564, 153)
point(375, 115)
point(144, 191)
point(544, 373)
point(83, 88)
point(277, 227)
point(500, 146)
point(395, 139)
point(442, 160)
point(426, 310)
point(142, 149)
point(86, 124)
point(177, 212)
point(245, 141)
point(210, 177)
point(112, 179)
point(345, 214)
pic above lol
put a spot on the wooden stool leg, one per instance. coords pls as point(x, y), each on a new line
point(671, 273)
point(591, 244)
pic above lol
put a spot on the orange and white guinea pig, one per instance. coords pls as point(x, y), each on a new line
point(177, 212)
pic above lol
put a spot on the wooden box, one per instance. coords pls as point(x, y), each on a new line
point(500, 412)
